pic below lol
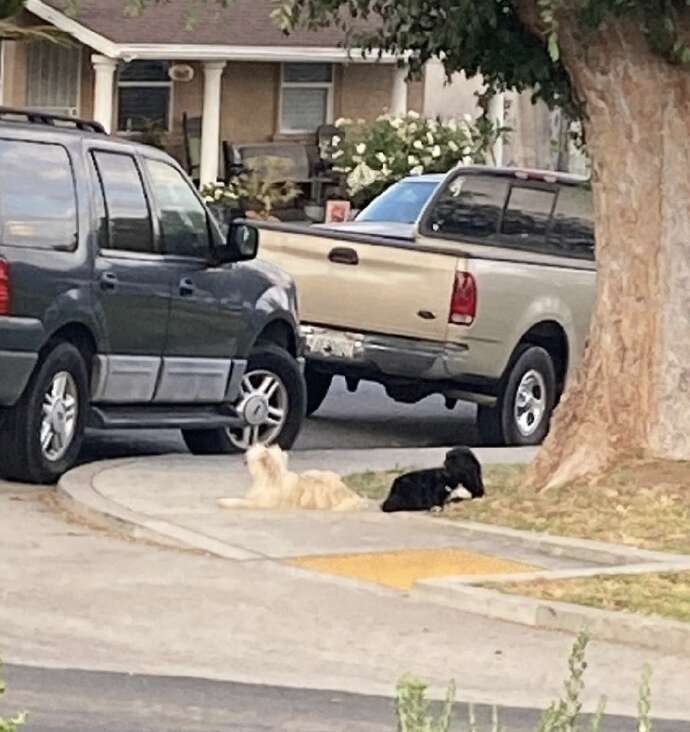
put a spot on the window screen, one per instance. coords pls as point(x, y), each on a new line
point(127, 208)
point(470, 206)
point(53, 76)
point(144, 90)
point(38, 205)
point(305, 96)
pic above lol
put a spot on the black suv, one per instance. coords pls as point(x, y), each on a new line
point(122, 305)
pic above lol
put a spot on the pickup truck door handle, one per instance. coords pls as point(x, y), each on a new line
point(343, 255)
point(186, 287)
point(108, 281)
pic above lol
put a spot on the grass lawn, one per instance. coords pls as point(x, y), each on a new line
point(644, 504)
point(650, 594)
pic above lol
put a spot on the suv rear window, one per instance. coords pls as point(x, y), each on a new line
point(38, 202)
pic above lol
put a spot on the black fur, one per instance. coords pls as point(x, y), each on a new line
point(422, 490)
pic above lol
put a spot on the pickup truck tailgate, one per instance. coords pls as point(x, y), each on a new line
point(377, 287)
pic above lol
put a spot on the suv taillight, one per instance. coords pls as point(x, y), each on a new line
point(4, 287)
point(463, 304)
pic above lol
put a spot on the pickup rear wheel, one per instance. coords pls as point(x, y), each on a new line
point(41, 436)
point(525, 402)
point(273, 391)
point(318, 385)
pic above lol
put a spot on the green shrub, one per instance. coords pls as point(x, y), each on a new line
point(413, 709)
point(11, 724)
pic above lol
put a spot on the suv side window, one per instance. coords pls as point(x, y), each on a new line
point(527, 217)
point(183, 218)
point(38, 202)
point(572, 230)
point(129, 218)
point(470, 206)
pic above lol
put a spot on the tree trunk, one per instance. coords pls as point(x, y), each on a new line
point(631, 394)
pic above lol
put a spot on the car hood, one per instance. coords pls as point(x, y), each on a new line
point(388, 229)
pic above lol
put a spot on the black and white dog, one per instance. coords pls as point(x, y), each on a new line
point(427, 490)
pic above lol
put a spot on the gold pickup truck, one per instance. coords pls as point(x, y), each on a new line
point(489, 302)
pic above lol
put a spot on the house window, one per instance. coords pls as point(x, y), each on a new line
point(53, 77)
point(144, 96)
point(306, 98)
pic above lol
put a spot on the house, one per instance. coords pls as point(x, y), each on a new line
point(231, 68)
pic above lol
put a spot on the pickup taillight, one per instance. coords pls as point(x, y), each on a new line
point(4, 287)
point(463, 304)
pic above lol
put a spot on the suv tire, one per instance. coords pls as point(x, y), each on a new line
point(59, 384)
point(318, 385)
point(526, 401)
point(272, 365)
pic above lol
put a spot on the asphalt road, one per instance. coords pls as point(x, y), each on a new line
point(365, 419)
point(79, 701)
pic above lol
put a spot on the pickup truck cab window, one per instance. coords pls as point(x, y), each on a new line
point(527, 215)
point(183, 220)
point(38, 204)
point(129, 218)
point(468, 206)
point(572, 228)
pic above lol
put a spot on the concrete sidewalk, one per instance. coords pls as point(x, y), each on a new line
point(174, 499)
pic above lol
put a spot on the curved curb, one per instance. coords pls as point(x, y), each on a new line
point(76, 492)
point(653, 632)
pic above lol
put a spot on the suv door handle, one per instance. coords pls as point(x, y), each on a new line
point(109, 281)
point(343, 255)
point(187, 287)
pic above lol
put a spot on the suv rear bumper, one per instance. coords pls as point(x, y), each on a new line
point(15, 370)
point(20, 341)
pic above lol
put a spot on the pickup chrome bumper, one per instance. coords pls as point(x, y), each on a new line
point(395, 356)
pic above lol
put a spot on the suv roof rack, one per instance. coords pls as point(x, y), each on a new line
point(36, 117)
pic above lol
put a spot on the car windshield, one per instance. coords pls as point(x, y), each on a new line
point(402, 202)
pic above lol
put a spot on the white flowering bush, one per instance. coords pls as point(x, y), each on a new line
point(373, 155)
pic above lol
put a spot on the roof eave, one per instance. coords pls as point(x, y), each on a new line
point(199, 52)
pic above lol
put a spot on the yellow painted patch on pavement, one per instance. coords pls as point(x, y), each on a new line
point(401, 569)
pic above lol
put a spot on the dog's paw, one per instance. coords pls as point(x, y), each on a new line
point(436, 509)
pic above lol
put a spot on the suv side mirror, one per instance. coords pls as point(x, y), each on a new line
point(241, 245)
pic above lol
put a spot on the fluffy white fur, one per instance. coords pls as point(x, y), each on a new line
point(274, 486)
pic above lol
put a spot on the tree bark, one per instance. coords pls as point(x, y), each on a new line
point(631, 394)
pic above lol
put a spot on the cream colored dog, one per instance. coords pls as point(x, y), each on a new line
point(274, 486)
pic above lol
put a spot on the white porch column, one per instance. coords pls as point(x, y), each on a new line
point(104, 69)
point(497, 117)
point(210, 125)
point(399, 91)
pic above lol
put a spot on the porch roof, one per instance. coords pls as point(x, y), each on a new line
point(243, 31)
